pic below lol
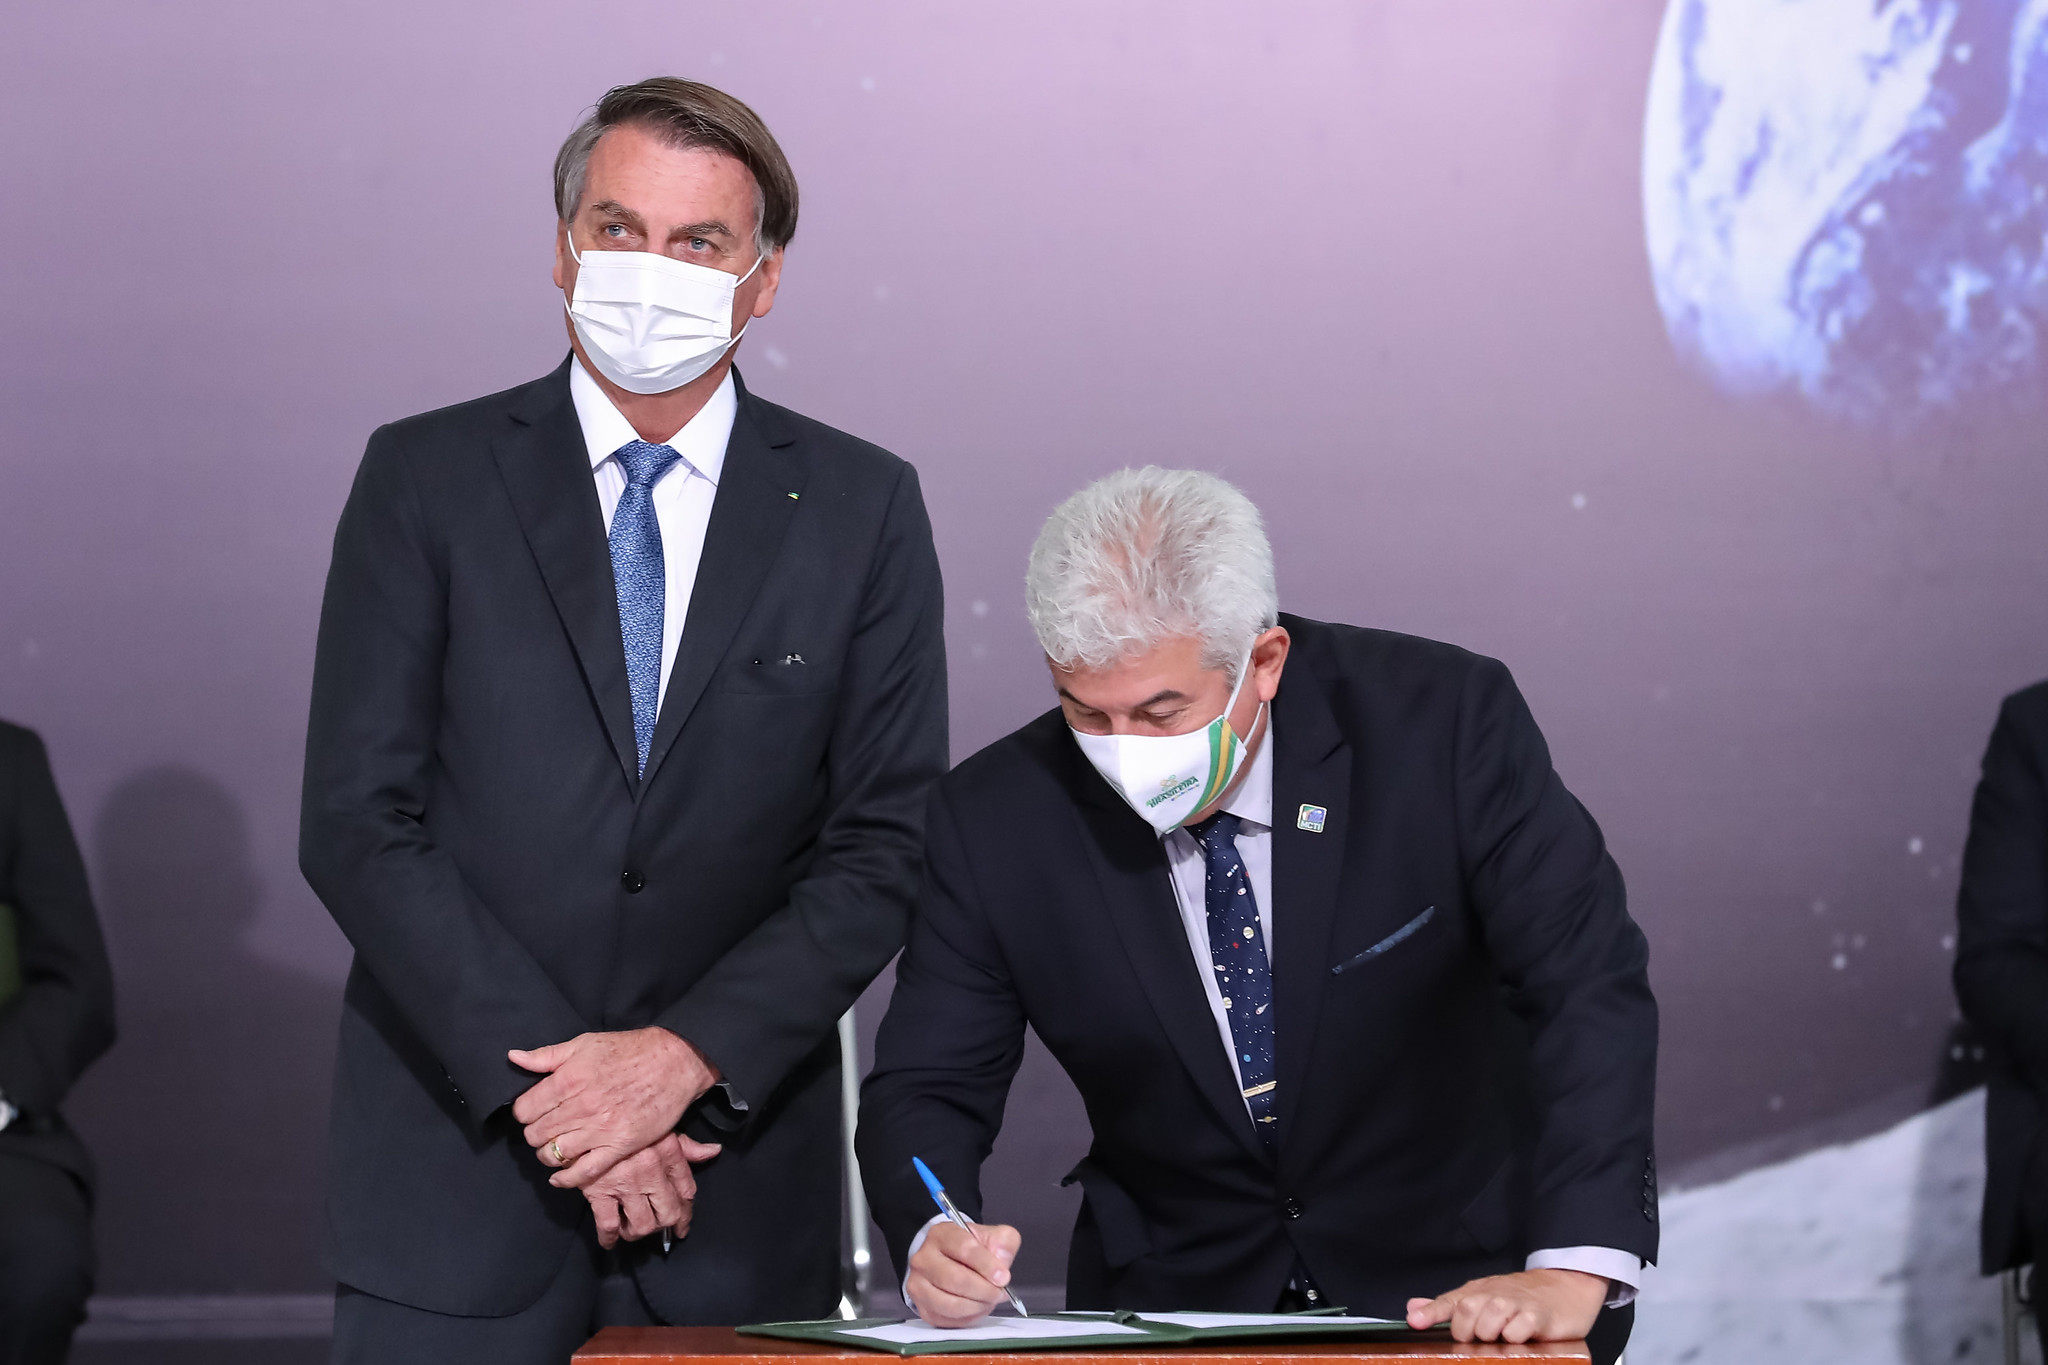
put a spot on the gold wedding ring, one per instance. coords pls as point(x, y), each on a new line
point(555, 1151)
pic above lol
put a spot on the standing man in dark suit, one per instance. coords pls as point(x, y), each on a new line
point(56, 1018)
point(2002, 977)
point(1341, 970)
point(628, 691)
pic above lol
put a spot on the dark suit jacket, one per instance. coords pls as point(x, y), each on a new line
point(63, 1019)
point(1476, 1089)
point(2001, 971)
point(473, 821)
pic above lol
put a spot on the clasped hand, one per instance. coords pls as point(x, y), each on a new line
point(605, 1116)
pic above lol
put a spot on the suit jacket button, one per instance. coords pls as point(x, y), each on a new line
point(631, 880)
point(1291, 1208)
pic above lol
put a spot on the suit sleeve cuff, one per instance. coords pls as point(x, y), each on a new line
point(915, 1243)
point(723, 1107)
point(1623, 1270)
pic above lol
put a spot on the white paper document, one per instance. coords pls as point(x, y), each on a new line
point(1254, 1319)
point(917, 1332)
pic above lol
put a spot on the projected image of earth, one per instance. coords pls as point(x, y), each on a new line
point(1845, 198)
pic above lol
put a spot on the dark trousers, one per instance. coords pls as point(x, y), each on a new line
point(2034, 1212)
point(46, 1260)
point(592, 1290)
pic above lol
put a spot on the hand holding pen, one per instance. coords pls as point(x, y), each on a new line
point(998, 1249)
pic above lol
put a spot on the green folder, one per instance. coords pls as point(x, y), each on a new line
point(10, 957)
point(1118, 1330)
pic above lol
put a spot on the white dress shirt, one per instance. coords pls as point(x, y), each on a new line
point(1252, 804)
point(682, 507)
point(682, 495)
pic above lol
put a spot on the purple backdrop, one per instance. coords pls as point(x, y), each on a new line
point(1382, 265)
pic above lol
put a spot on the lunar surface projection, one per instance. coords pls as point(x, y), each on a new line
point(1844, 199)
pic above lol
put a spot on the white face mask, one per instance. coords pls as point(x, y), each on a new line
point(651, 323)
point(1167, 778)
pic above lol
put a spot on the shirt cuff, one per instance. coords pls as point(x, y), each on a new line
point(1623, 1270)
point(915, 1243)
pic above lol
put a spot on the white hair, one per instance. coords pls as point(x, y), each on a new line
point(1146, 555)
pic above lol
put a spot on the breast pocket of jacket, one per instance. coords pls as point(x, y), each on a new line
point(787, 673)
point(1405, 936)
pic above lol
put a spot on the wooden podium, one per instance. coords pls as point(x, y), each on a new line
point(723, 1346)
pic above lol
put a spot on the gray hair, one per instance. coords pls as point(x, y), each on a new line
point(1146, 555)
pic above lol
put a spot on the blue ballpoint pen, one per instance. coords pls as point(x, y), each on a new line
point(931, 1182)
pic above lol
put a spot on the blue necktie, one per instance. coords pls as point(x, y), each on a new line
point(1237, 949)
point(640, 575)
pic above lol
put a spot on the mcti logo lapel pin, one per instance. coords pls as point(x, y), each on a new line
point(1311, 819)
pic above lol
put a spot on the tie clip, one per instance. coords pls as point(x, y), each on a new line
point(1260, 1089)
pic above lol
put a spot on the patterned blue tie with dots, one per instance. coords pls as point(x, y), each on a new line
point(641, 577)
point(1244, 974)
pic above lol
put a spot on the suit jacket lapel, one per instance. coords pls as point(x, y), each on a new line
point(546, 470)
point(1130, 866)
point(756, 500)
point(1311, 767)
